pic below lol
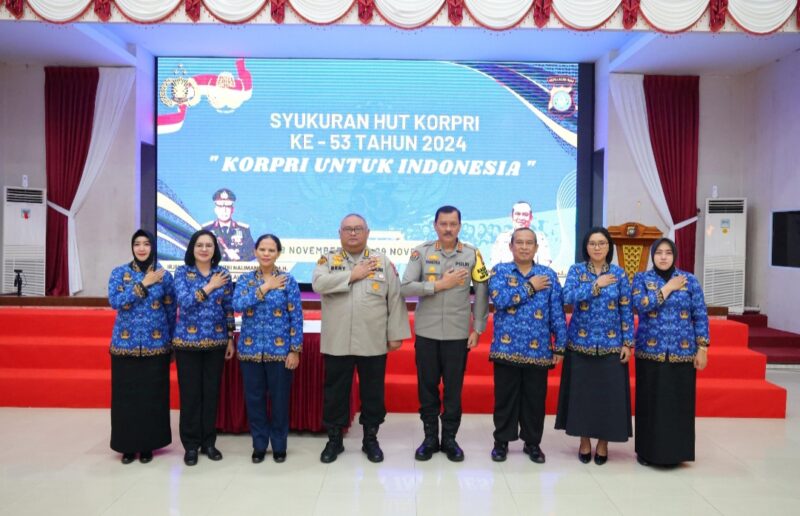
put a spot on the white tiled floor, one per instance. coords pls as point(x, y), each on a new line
point(55, 461)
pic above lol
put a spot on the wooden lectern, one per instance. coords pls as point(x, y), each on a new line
point(632, 241)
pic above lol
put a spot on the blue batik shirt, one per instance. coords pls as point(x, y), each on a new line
point(525, 322)
point(272, 323)
point(602, 318)
point(669, 329)
point(145, 318)
point(205, 321)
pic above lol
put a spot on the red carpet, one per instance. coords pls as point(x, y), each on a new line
point(58, 357)
point(780, 347)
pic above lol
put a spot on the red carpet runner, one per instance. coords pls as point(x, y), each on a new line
point(59, 358)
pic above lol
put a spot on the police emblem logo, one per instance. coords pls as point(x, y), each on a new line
point(414, 256)
point(180, 90)
point(322, 260)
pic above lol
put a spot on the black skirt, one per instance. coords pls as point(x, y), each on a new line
point(140, 403)
point(594, 398)
point(665, 406)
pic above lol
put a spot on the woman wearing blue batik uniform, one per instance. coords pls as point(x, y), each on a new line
point(529, 313)
point(594, 399)
point(269, 347)
point(142, 293)
point(671, 345)
point(203, 341)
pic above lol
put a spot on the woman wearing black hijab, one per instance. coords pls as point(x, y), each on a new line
point(671, 345)
point(142, 293)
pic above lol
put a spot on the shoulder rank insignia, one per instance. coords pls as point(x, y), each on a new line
point(479, 271)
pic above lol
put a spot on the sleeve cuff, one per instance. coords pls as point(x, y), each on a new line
point(429, 288)
point(595, 289)
point(660, 297)
point(140, 290)
point(529, 289)
point(200, 295)
point(260, 293)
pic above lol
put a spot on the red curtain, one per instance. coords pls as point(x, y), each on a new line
point(673, 115)
point(69, 95)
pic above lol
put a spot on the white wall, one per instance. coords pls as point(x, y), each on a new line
point(772, 183)
point(107, 219)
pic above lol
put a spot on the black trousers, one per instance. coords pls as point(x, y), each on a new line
point(519, 396)
point(199, 375)
point(441, 361)
point(339, 381)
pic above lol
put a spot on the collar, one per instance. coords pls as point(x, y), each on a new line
point(590, 268)
point(516, 268)
point(260, 274)
point(136, 267)
point(347, 256)
point(459, 246)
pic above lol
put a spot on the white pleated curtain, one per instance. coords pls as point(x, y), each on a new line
point(113, 89)
point(627, 91)
point(757, 16)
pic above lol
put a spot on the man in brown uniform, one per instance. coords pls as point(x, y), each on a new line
point(363, 317)
point(440, 273)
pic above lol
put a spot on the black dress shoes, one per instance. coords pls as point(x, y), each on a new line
point(499, 452)
point(145, 457)
point(641, 461)
point(212, 452)
point(279, 457)
point(586, 458)
point(453, 451)
point(127, 458)
point(258, 456)
point(534, 452)
point(190, 458)
point(600, 459)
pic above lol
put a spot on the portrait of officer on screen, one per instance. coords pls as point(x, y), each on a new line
point(233, 237)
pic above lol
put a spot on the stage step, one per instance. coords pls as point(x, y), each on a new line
point(753, 320)
point(59, 358)
point(715, 397)
point(780, 347)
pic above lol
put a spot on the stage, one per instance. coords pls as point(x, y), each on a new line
point(58, 357)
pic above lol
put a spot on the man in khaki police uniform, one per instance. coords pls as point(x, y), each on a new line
point(440, 273)
point(363, 317)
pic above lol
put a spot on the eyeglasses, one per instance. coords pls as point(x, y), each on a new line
point(598, 245)
point(355, 230)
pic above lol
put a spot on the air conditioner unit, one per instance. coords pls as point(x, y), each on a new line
point(724, 256)
point(24, 233)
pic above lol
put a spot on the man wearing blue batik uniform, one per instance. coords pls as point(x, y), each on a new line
point(530, 332)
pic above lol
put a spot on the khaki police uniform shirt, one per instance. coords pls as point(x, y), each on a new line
point(445, 315)
point(359, 318)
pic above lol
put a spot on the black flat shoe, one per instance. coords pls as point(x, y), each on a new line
point(600, 459)
point(127, 458)
point(279, 457)
point(586, 458)
point(190, 458)
point(641, 461)
point(499, 452)
point(145, 457)
point(258, 456)
point(534, 452)
point(212, 453)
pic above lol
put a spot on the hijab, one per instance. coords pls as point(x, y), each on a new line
point(665, 274)
point(144, 265)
